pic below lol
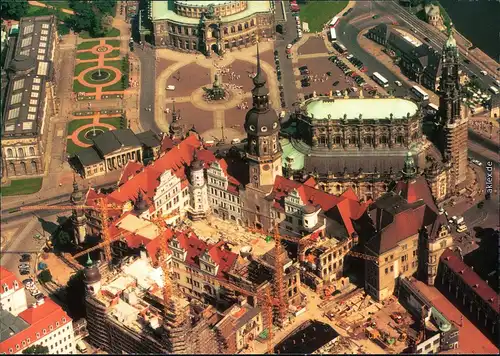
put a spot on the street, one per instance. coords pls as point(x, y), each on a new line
point(146, 57)
point(287, 75)
point(388, 11)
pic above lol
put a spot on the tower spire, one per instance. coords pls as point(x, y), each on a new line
point(409, 169)
point(258, 80)
point(174, 113)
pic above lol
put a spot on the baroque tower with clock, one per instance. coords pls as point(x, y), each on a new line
point(262, 126)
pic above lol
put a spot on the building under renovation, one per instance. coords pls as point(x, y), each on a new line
point(126, 314)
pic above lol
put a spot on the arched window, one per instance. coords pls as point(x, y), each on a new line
point(20, 152)
point(240, 27)
point(367, 140)
point(233, 29)
point(226, 30)
point(337, 140)
point(32, 151)
point(383, 139)
point(246, 25)
point(252, 23)
point(352, 140)
point(23, 168)
point(399, 139)
point(337, 187)
point(34, 167)
point(12, 168)
point(9, 152)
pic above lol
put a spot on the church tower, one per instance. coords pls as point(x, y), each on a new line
point(78, 218)
point(453, 115)
point(198, 189)
point(262, 126)
point(176, 129)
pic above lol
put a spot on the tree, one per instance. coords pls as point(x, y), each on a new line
point(61, 238)
point(86, 18)
point(36, 349)
point(45, 276)
point(14, 9)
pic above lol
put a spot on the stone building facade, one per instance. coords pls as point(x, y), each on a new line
point(30, 72)
point(211, 26)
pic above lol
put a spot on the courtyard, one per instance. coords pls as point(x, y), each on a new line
point(184, 79)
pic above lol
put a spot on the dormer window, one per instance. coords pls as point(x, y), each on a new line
point(5, 288)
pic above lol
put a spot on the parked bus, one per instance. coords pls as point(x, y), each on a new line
point(420, 93)
point(384, 83)
point(333, 34)
point(493, 90)
point(334, 22)
point(339, 47)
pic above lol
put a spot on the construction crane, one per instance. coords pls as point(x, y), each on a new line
point(162, 259)
point(278, 276)
point(303, 244)
point(102, 207)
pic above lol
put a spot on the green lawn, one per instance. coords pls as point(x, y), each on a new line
point(73, 125)
point(82, 138)
point(114, 32)
point(113, 43)
point(317, 13)
point(115, 121)
point(22, 187)
point(116, 64)
point(80, 67)
point(87, 45)
point(113, 54)
point(79, 87)
point(86, 55)
point(71, 148)
point(114, 87)
point(88, 77)
point(44, 11)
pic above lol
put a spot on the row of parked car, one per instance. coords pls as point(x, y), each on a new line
point(30, 285)
point(278, 74)
point(357, 63)
point(347, 71)
point(24, 266)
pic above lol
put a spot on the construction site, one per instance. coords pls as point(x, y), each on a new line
point(214, 286)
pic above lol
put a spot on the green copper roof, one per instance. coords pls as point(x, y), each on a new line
point(205, 3)
point(291, 155)
point(164, 10)
point(89, 262)
point(368, 108)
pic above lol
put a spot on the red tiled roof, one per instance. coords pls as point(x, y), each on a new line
point(470, 339)
point(471, 278)
point(8, 278)
point(415, 190)
point(311, 182)
point(39, 318)
point(147, 180)
point(166, 144)
point(196, 248)
point(233, 182)
point(347, 204)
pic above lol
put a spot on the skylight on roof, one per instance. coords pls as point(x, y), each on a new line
point(25, 52)
point(37, 80)
point(31, 117)
point(45, 26)
point(28, 29)
point(27, 125)
point(35, 87)
point(16, 98)
point(33, 101)
point(43, 67)
point(18, 84)
point(34, 94)
point(26, 42)
point(10, 127)
point(42, 51)
point(32, 109)
point(43, 44)
point(45, 32)
point(40, 57)
point(13, 114)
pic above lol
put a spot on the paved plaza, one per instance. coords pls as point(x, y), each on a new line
point(189, 74)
